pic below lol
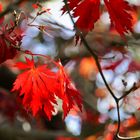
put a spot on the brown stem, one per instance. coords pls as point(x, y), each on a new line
point(34, 54)
point(119, 119)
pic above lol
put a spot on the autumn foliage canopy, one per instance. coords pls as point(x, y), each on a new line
point(40, 85)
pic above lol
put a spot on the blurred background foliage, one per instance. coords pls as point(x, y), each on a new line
point(120, 64)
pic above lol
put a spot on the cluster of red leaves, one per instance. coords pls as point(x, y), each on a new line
point(8, 41)
point(40, 87)
point(88, 12)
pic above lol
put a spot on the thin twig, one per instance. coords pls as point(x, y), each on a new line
point(119, 119)
point(134, 87)
point(35, 54)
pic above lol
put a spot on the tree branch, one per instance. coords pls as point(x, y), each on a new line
point(95, 56)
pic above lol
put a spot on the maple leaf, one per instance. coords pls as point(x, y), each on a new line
point(120, 17)
point(68, 93)
point(88, 13)
point(37, 85)
point(8, 40)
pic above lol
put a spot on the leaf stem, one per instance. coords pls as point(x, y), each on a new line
point(35, 54)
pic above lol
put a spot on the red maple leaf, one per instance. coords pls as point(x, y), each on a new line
point(39, 87)
point(8, 40)
point(119, 15)
point(68, 93)
point(88, 13)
